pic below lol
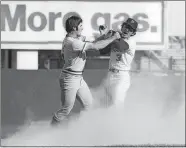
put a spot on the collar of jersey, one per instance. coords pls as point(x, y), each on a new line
point(72, 36)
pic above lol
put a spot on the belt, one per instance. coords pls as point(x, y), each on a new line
point(72, 72)
point(116, 70)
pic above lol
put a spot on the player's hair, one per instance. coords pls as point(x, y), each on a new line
point(72, 22)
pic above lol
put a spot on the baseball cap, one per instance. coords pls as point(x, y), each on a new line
point(132, 23)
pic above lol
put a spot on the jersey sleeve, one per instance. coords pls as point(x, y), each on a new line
point(105, 50)
point(132, 48)
point(78, 45)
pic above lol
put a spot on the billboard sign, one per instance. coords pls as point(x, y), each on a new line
point(41, 24)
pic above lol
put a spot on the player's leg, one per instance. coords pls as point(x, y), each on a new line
point(69, 86)
point(100, 94)
point(67, 105)
point(121, 90)
point(85, 95)
point(119, 85)
point(109, 90)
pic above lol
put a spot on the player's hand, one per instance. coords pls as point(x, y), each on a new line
point(103, 29)
point(117, 35)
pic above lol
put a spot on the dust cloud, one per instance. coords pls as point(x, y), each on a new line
point(153, 113)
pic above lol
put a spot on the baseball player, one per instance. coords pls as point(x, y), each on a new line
point(122, 52)
point(71, 77)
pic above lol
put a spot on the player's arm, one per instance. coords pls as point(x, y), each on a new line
point(97, 45)
point(105, 50)
point(102, 37)
point(103, 31)
point(62, 51)
point(132, 48)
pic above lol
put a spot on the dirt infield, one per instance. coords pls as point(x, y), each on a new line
point(154, 111)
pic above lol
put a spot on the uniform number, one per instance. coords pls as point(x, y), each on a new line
point(118, 57)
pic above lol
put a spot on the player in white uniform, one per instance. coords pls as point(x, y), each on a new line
point(122, 52)
point(71, 78)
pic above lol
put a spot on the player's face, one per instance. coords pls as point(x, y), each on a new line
point(127, 30)
point(80, 29)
